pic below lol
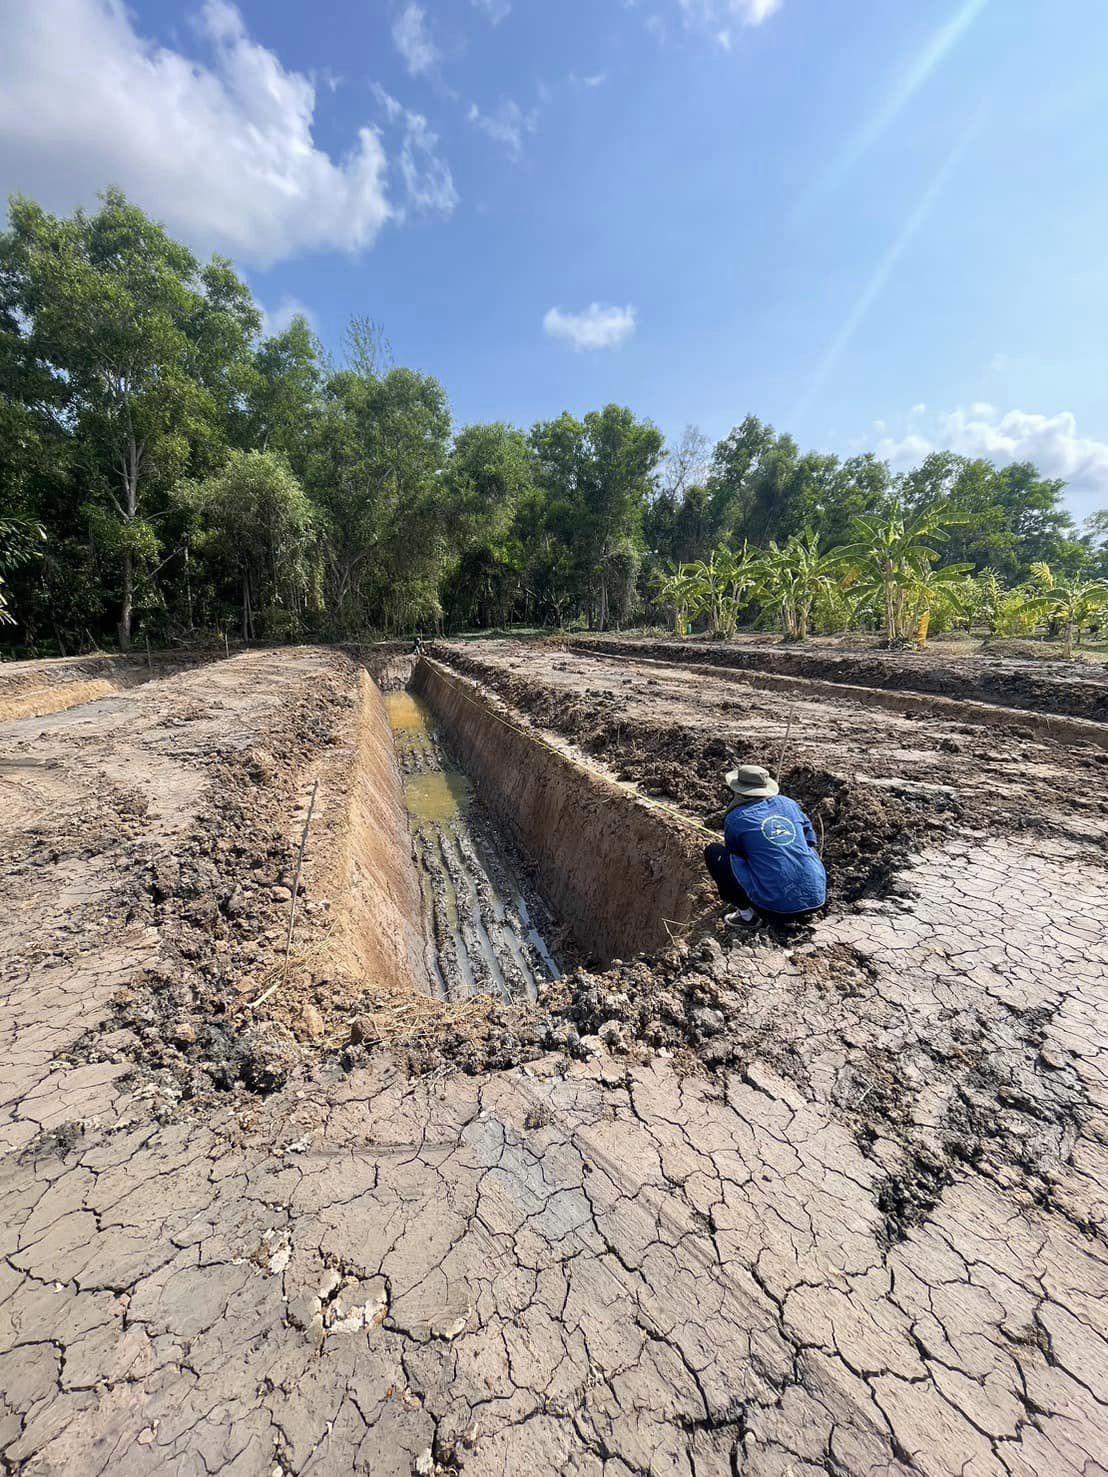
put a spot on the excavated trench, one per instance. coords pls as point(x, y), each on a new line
point(486, 929)
point(525, 861)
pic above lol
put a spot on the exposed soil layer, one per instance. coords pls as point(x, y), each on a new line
point(381, 921)
point(1075, 688)
point(826, 1204)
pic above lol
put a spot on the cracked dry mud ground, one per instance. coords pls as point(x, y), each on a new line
point(657, 1259)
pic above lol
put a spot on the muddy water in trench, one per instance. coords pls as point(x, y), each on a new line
point(486, 930)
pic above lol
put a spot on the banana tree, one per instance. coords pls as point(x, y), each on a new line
point(740, 572)
point(1071, 603)
point(946, 588)
point(710, 580)
point(889, 557)
point(791, 577)
point(679, 590)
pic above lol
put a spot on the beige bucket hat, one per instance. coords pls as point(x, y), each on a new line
point(752, 782)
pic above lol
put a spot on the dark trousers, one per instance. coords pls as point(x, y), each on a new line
point(718, 861)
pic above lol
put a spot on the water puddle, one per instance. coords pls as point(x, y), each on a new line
point(406, 713)
point(486, 930)
point(437, 797)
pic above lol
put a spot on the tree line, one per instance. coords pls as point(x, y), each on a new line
point(168, 471)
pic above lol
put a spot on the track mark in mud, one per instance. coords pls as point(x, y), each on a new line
point(481, 931)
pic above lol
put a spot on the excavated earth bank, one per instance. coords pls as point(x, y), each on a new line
point(831, 1203)
point(33, 688)
point(1032, 724)
point(1074, 688)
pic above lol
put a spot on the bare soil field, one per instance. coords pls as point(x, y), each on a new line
point(1078, 689)
point(507, 1156)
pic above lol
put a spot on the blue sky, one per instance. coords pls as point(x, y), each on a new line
point(878, 224)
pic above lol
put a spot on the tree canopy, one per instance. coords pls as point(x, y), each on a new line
point(168, 468)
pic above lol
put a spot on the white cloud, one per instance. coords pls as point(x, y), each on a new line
point(1052, 442)
point(716, 16)
point(594, 79)
point(919, 408)
point(507, 125)
point(276, 320)
point(496, 10)
point(428, 183)
point(413, 40)
point(223, 153)
point(596, 327)
point(905, 452)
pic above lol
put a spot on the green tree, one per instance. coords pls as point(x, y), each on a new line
point(1007, 517)
point(258, 528)
point(491, 469)
point(144, 348)
point(18, 545)
point(286, 394)
point(603, 467)
point(1094, 539)
point(377, 476)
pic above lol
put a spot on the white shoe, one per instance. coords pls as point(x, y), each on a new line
point(740, 915)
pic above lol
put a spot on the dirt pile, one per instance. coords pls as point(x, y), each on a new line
point(220, 901)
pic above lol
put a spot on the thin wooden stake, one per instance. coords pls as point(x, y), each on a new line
point(226, 644)
point(296, 879)
point(784, 746)
point(149, 661)
point(292, 904)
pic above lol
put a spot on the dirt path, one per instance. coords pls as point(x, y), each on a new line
point(834, 1205)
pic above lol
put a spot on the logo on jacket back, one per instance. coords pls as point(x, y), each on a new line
point(778, 830)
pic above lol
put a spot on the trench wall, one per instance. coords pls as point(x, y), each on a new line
point(616, 867)
point(381, 920)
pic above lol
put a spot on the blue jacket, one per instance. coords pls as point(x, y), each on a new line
point(773, 855)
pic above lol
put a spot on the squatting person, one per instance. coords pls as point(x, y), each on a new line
point(768, 864)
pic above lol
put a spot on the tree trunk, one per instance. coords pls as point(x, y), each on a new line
point(130, 513)
point(188, 586)
point(126, 611)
